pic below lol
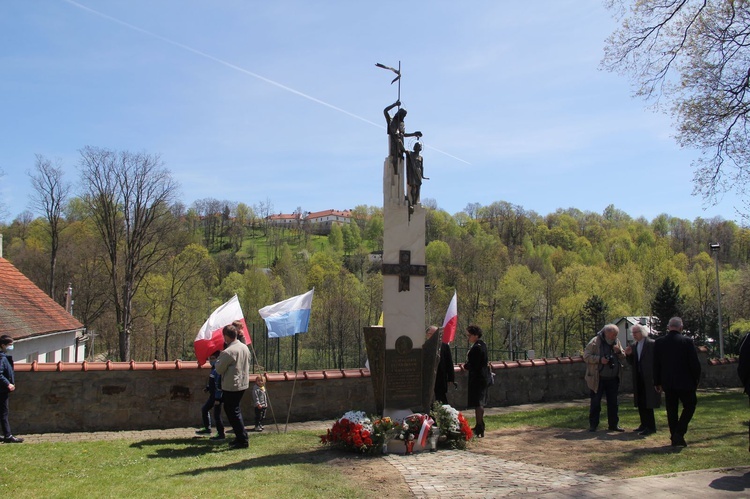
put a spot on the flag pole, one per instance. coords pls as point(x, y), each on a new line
point(399, 81)
point(295, 350)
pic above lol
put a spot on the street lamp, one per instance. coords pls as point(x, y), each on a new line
point(715, 250)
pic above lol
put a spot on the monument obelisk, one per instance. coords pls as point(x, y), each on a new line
point(402, 364)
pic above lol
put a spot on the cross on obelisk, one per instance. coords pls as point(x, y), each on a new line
point(403, 269)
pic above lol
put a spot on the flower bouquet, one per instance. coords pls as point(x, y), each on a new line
point(453, 425)
point(357, 432)
point(353, 432)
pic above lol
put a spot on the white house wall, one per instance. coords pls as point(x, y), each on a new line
point(61, 346)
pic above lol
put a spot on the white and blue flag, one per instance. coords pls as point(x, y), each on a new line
point(288, 317)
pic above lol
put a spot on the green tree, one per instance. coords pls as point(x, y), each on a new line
point(336, 238)
point(595, 312)
point(667, 303)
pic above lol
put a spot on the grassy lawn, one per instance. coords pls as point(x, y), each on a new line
point(291, 465)
point(296, 465)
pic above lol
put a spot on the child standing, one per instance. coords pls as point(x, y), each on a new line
point(260, 401)
point(213, 387)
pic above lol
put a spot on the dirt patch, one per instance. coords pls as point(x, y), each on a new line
point(372, 475)
point(603, 453)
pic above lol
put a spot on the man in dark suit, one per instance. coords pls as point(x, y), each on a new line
point(640, 356)
point(677, 371)
point(445, 369)
point(743, 366)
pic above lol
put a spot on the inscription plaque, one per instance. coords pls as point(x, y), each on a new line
point(403, 379)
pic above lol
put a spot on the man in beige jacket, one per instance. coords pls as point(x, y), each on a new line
point(233, 365)
point(603, 356)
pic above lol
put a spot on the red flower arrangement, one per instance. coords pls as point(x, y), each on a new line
point(353, 431)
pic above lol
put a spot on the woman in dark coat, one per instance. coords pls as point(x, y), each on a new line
point(476, 366)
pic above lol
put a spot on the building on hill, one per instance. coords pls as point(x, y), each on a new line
point(626, 323)
point(41, 329)
point(320, 222)
point(284, 220)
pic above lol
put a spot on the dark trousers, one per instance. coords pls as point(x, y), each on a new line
point(678, 425)
point(441, 397)
point(234, 414)
point(648, 421)
point(260, 414)
point(211, 403)
point(4, 411)
point(607, 387)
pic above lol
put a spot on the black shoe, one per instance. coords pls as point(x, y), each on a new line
point(646, 432)
point(239, 445)
point(203, 431)
point(592, 429)
point(679, 442)
point(640, 428)
point(616, 428)
point(218, 437)
point(13, 440)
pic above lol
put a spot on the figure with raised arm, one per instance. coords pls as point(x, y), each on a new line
point(396, 133)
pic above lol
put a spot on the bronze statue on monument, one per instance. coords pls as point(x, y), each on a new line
point(396, 133)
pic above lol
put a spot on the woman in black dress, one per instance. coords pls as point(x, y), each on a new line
point(476, 365)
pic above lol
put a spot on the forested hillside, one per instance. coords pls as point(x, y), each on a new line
point(146, 271)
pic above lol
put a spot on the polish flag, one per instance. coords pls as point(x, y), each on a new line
point(451, 320)
point(210, 338)
point(424, 432)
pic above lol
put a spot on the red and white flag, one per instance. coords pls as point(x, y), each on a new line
point(451, 320)
point(210, 338)
point(424, 432)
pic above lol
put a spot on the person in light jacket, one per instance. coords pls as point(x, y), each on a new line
point(233, 365)
point(603, 357)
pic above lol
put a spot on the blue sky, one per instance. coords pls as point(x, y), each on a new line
point(281, 101)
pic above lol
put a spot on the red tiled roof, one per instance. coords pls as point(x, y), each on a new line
point(283, 216)
point(325, 213)
point(25, 310)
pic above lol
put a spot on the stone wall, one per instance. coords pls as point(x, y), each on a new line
point(70, 397)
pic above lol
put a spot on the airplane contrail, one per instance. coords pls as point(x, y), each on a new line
point(242, 70)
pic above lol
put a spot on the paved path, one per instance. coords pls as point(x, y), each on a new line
point(445, 473)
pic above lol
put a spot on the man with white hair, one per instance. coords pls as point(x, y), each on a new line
point(677, 371)
point(640, 356)
point(603, 356)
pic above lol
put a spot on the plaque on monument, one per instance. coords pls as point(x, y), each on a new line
point(403, 374)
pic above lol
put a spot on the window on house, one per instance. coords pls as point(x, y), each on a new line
point(32, 357)
point(49, 357)
point(65, 355)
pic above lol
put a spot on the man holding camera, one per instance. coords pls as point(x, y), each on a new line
point(603, 356)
